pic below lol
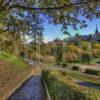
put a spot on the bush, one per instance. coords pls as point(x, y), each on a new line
point(64, 64)
point(58, 63)
point(73, 49)
point(86, 56)
point(98, 62)
point(70, 57)
point(36, 56)
point(96, 53)
point(49, 59)
point(62, 87)
point(85, 45)
point(75, 68)
point(92, 71)
point(96, 46)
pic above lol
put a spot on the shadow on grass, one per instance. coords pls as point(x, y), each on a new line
point(87, 84)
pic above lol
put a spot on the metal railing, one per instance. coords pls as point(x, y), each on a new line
point(46, 90)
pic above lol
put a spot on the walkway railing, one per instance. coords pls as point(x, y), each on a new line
point(46, 90)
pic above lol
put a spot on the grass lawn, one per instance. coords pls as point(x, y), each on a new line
point(95, 60)
point(11, 58)
point(81, 76)
point(62, 86)
point(84, 77)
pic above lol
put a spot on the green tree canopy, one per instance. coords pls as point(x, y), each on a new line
point(26, 15)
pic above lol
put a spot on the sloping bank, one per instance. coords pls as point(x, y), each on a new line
point(62, 88)
point(13, 72)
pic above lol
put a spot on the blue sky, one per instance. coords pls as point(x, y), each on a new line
point(54, 31)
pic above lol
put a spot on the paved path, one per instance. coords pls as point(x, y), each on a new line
point(30, 90)
point(87, 84)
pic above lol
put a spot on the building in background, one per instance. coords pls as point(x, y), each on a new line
point(89, 38)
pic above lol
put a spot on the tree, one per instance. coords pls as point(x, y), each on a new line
point(96, 50)
point(86, 46)
point(70, 57)
point(25, 15)
point(49, 59)
point(45, 49)
point(36, 56)
point(73, 49)
point(58, 50)
point(11, 43)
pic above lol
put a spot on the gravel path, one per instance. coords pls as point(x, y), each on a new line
point(31, 90)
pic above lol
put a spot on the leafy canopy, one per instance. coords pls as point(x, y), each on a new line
point(26, 16)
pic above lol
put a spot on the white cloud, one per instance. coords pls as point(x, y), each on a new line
point(27, 39)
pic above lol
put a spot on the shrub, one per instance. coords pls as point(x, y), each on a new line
point(85, 45)
point(86, 56)
point(96, 53)
point(75, 68)
point(73, 49)
point(96, 46)
point(64, 64)
point(99, 75)
point(70, 57)
point(49, 59)
point(98, 62)
point(36, 56)
point(92, 71)
point(58, 63)
point(62, 87)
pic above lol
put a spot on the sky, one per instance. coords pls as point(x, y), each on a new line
point(54, 31)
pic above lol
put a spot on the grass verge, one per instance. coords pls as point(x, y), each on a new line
point(62, 88)
point(11, 58)
point(86, 78)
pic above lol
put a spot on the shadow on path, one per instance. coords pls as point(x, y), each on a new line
point(88, 85)
point(32, 89)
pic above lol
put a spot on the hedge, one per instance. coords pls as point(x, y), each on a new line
point(92, 71)
point(63, 88)
point(75, 68)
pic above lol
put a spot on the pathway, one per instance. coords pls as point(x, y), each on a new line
point(30, 90)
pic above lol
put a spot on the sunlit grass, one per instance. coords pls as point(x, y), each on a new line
point(13, 59)
point(61, 86)
point(84, 78)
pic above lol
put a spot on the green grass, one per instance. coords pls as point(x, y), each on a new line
point(61, 87)
point(83, 77)
point(92, 61)
point(95, 60)
point(13, 59)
